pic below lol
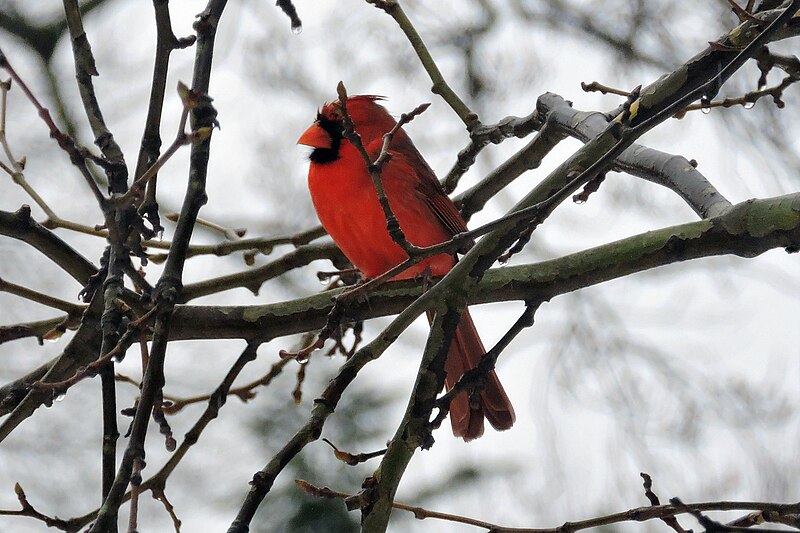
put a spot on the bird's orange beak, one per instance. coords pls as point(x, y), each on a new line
point(315, 137)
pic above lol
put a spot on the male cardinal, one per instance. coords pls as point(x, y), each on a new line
point(347, 205)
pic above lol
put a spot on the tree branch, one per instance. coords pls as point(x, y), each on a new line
point(746, 230)
point(671, 171)
point(414, 431)
point(169, 285)
point(166, 42)
point(440, 86)
point(638, 514)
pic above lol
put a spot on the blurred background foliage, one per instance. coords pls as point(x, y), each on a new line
point(688, 372)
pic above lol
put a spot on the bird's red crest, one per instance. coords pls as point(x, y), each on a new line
point(333, 110)
point(371, 119)
point(357, 107)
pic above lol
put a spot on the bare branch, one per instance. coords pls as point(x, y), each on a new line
point(440, 86)
point(166, 42)
point(482, 135)
point(674, 172)
point(288, 7)
point(473, 380)
point(28, 510)
point(671, 521)
point(746, 230)
point(85, 69)
point(44, 299)
point(375, 168)
point(639, 514)
point(64, 141)
point(168, 288)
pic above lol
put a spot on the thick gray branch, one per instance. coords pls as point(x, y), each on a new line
point(672, 171)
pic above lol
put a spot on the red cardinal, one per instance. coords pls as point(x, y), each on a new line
point(347, 205)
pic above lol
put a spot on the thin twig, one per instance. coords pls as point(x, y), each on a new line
point(181, 139)
point(603, 89)
point(160, 495)
point(64, 141)
point(482, 135)
point(473, 380)
point(253, 278)
point(170, 283)
point(85, 69)
point(166, 42)
point(353, 459)
point(440, 86)
point(671, 521)
point(747, 100)
point(638, 514)
point(41, 298)
point(28, 510)
point(742, 13)
point(16, 173)
point(375, 167)
point(93, 368)
point(712, 526)
point(49, 329)
point(420, 513)
point(136, 481)
point(245, 393)
point(228, 233)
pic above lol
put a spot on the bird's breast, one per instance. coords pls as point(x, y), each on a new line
point(348, 208)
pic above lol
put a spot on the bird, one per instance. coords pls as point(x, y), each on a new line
point(347, 205)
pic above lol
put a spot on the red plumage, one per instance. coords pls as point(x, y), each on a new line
point(347, 205)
